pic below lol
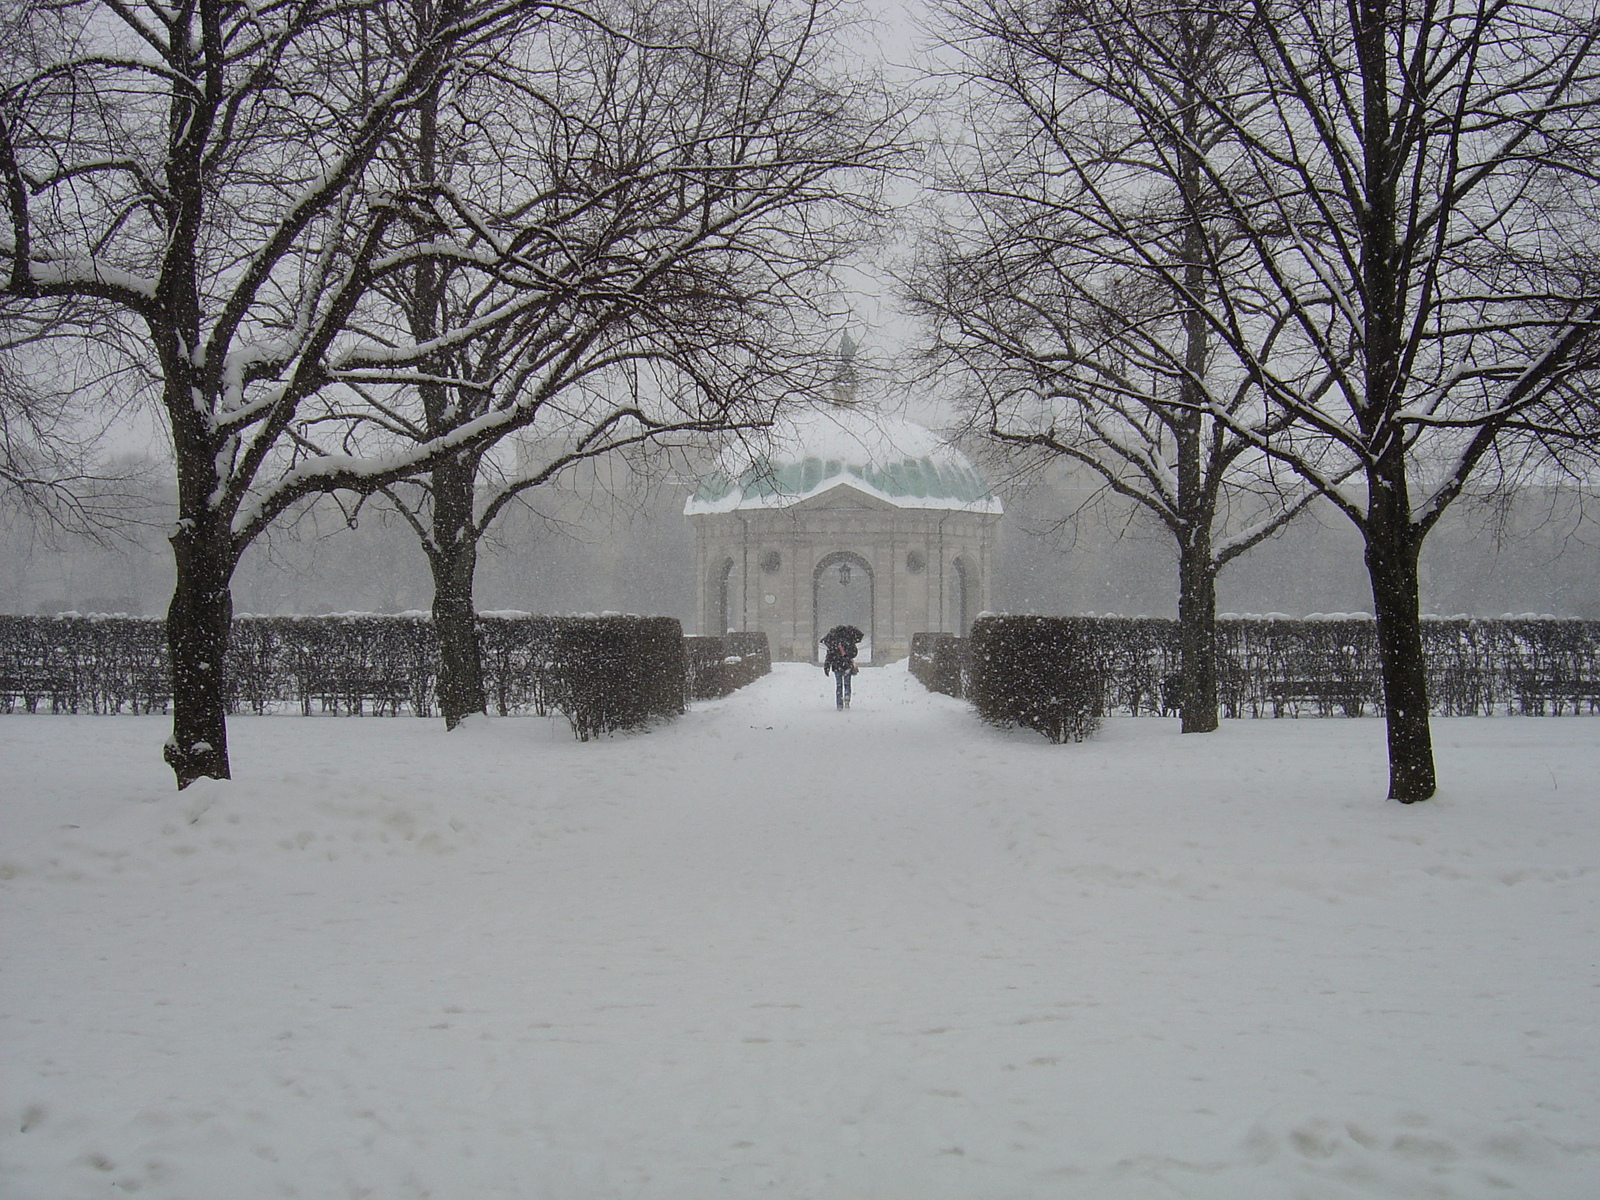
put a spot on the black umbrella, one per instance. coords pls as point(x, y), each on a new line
point(842, 633)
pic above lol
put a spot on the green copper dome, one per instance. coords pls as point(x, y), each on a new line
point(817, 450)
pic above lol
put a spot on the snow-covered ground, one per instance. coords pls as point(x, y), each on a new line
point(774, 950)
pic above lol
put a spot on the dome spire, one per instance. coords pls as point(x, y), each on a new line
point(844, 375)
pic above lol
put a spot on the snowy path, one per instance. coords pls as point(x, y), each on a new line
point(774, 950)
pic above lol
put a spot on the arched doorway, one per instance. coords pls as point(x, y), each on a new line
point(842, 594)
point(721, 606)
point(963, 585)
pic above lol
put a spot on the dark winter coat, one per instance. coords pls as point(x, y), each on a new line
point(841, 657)
point(841, 643)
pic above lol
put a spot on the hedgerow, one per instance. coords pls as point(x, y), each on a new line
point(602, 673)
point(379, 663)
point(611, 673)
point(1278, 666)
point(1043, 673)
point(938, 660)
point(720, 665)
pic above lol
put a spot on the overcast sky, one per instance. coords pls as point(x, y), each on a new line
point(893, 39)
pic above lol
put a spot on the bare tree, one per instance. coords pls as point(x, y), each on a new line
point(689, 174)
point(207, 169)
point(1069, 274)
point(204, 168)
point(217, 171)
point(56, 472)
point(1411, 188)
point(1415, 186)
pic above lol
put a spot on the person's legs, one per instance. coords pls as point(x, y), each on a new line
point(841, 685)
point(844, 677)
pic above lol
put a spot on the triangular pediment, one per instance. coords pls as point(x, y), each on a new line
point(842, 495)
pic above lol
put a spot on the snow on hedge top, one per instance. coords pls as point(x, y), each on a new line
point(816, 450)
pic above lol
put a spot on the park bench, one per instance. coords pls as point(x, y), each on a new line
point(141, 687)
point(1536, 691)
point(350, 690)
point(28, 685)
point(1327, 694)
point(152, 689)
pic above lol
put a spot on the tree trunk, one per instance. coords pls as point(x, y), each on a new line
point(1197, 634)
point(200, 617)
point(453, 546)
point(455, 623)
point(453, 558)
point(1392, 565)
point(1197, 502)
point(1392, 543)
point(199, 622)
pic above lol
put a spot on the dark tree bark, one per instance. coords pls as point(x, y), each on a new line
point(1197, 499)
point(1197, 630)
point(1392, 543)
point(453, 558)
point(452, 542)
point(1392, 546)
point(199, 623)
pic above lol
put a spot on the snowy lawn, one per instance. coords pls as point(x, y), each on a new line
point(774, 950)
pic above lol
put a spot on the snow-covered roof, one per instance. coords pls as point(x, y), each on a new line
point(816, 450)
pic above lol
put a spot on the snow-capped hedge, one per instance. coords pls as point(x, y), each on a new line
point(754, 654)
point(602, 673)
point(720, 665)
point(1281, 666)
point(364, 662)
point(937, 660)
point(1043, 673)
point(611, 673)
point(83, 664)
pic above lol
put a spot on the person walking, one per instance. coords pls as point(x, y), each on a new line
point(840, 643)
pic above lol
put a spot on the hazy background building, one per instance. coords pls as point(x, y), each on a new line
point(606, 539)
point(844, 515)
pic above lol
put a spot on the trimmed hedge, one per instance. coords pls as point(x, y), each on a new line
point(83, 664)
point(611, 673)
point(1327, 666)
point(721, 665)
point(602, 673)
point(939, 661)
point(387, 664)
point(706, 674)
point(1043, 673)
point(342, 664)
point(754, 655)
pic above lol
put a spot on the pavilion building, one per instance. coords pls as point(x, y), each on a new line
point(843, 515)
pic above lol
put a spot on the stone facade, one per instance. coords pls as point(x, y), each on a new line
point(906, 570)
